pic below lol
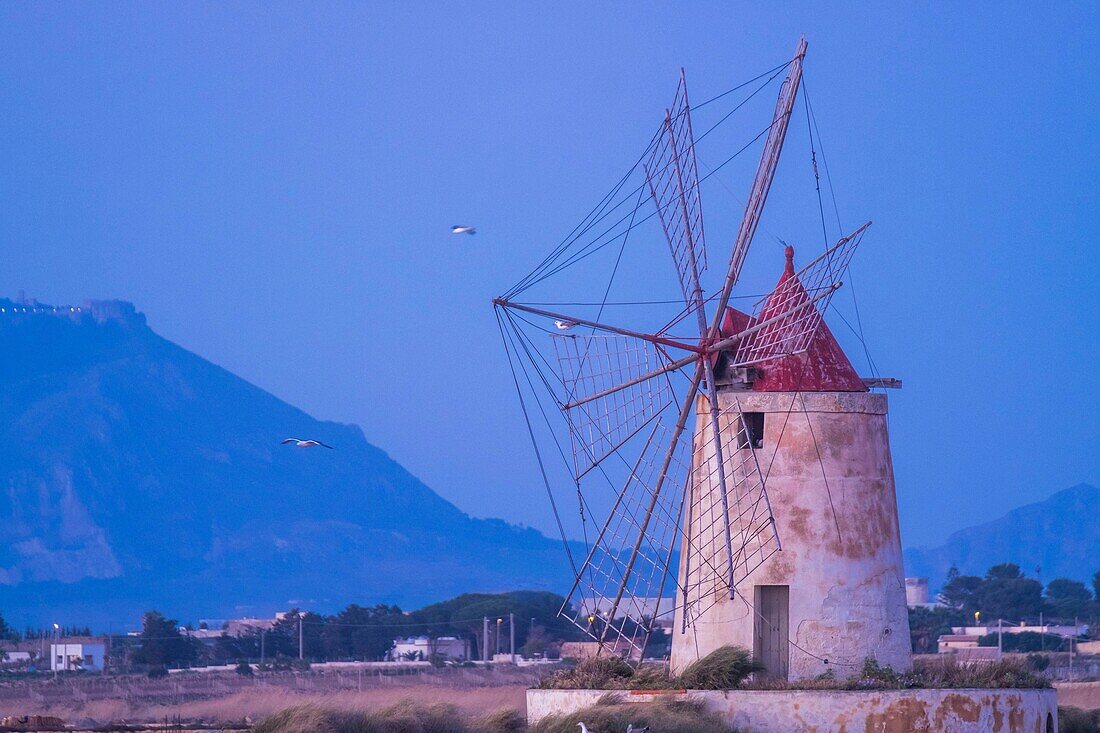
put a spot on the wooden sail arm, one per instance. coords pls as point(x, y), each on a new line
point(761, 185)
point(651, 338)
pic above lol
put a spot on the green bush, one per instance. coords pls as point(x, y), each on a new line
point(612, 716)
point(244, 669)
point(723, 669)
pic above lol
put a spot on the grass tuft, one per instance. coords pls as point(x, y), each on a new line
point(723, 669)
point(665, 716)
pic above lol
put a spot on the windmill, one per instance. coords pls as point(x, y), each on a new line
point(626, 395)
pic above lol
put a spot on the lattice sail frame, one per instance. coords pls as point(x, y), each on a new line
point(592, 363)
point(617, 593)
point(791, 333)
point(673, 179)
point(705, 567)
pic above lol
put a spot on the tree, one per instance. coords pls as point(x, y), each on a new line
point(162, 645)
point(1096, 586)
point(362, 633)
point(926, 625)
point(959, 590)
point(1067, 599)
point(1006, 594)
point(7, 632)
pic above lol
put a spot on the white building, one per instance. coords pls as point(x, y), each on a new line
point(424, 648)
point(76, 656)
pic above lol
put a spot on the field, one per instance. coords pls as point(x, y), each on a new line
point(225, 697)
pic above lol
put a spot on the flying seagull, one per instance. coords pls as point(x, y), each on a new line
point(565, 325)
point(299, 443)
point(462, 229)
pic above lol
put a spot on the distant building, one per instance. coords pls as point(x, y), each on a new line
point(916, 591)
point(1053, 629)
point(248, 626)
point(423, 648)
point(73, 655)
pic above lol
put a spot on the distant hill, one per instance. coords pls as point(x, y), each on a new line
point(135, 474)
point(1060, 534)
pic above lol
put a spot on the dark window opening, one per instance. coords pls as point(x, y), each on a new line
point(751, 433)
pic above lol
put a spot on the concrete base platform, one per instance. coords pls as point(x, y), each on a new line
point(836, 711)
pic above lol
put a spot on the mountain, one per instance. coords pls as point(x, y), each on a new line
point(135, 475)
point(1061, 535)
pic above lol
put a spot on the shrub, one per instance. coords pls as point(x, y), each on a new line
point(612, 716)
point(598, 673)
point(1076, 720)
point(244, 669)
point(722, 669)
point(505, 720)
point(158, 672)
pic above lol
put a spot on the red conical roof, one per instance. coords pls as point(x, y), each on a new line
point(822, 367)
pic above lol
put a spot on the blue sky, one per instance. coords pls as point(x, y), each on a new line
point(273, 184)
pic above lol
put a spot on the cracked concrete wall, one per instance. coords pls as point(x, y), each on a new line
point(830, 480)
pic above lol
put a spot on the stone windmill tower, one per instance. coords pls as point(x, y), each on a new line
point(743, 469)
point(835, 594)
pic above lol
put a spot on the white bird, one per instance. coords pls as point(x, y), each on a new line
point(462, 229)
point(299, 443)
point(583, 727)
point(565, 325)
point(631, 729)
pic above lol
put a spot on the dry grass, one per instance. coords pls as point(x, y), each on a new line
point(261, 697)
point(404, 717)
point(665, 716)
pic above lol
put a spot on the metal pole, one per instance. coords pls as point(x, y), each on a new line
point(263, 634)
point(1000, 639)
point(301, 638)
point(1042, 633)
point(485, 639)
point(512, 634)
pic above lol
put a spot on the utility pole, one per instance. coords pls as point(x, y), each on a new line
point(1000, 640)
point(1042, 634)
point(512, 634)
point(485, 639)
point(301, 638)
point(263, 636)
point(1072, 639)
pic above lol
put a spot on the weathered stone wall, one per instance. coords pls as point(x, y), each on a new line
point(830, 481)
point(828, 711)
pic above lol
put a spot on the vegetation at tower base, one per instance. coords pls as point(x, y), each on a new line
point(1076, 720)
point(730, 667)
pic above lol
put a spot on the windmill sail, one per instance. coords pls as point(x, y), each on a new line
point(673, 180)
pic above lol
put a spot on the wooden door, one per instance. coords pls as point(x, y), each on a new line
point(771, 627)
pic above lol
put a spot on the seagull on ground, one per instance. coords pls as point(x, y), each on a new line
point(564, 325)
point(299, 443)
point(462, 229)
point(631, 729)
point(583, 727)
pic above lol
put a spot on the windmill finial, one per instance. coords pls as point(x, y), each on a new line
point(789, 268)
